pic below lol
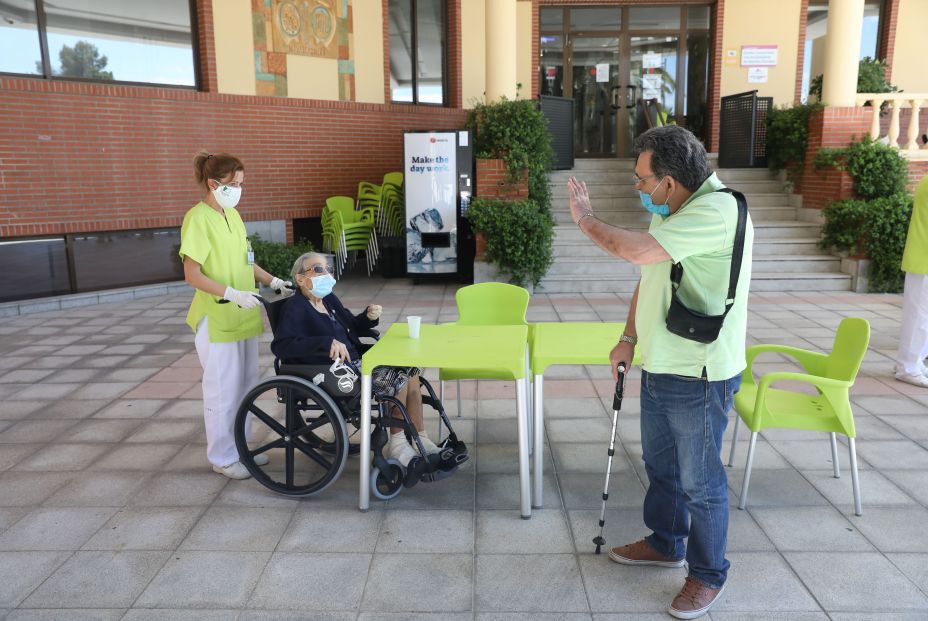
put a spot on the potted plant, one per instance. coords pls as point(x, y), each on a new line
point(514, 190)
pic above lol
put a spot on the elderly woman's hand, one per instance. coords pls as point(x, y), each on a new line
point(373, 311)
point(338, 351)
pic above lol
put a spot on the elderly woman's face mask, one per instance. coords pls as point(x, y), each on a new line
point(317, 280)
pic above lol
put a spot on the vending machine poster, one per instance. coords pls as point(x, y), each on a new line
point(431, 202)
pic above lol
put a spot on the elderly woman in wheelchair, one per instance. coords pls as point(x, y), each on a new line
point(317, 347)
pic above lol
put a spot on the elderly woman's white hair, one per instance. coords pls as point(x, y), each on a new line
point(300, 264)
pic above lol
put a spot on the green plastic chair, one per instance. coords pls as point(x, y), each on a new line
point(486, 304)
point(832, 375)
point(349, 230)
point(396, 178)
point(391, 220)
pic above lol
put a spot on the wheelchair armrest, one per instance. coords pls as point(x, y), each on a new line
point(370, 333)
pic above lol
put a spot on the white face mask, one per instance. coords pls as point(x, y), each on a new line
point(227, 196)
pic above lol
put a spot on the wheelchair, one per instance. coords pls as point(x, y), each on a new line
point(300, 419)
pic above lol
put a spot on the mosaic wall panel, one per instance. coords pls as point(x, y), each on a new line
point(320, 28)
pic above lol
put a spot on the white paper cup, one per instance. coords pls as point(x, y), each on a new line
point(414, 322)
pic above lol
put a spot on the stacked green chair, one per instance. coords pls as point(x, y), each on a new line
point(346, 229)
point(832, 375)
point(392, 215)
point(394, 178)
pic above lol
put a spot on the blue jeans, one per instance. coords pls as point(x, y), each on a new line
point(682, 422)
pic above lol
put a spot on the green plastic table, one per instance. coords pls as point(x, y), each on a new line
point(579, 342)
point(450, 346)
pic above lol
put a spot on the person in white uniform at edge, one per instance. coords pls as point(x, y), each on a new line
point(913, 334)
point(224, 313)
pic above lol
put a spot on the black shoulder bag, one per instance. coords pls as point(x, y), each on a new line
point(695, 326)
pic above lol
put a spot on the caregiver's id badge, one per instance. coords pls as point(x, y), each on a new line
point(251, 255)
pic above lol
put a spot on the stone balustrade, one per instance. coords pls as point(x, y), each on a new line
point(912, 146)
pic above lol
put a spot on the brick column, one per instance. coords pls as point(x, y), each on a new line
point(493, 181)
point(831, 128)
point(716, 19)
point(206, 44)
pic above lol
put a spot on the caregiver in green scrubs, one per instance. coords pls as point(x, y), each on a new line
point(219, 264)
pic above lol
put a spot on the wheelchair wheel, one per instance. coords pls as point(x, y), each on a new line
point(387, 485)
point(299, 428)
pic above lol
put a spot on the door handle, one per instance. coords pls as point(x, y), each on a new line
point(615, 97)
point(632, 89)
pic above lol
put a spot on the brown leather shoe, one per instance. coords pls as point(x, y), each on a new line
point(641, 553)
point(694, 600)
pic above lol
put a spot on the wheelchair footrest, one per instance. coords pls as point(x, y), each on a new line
point(437, 466)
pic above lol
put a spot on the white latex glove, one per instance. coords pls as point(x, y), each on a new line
point(245, 299)
point(279, 285)
point(373, 311)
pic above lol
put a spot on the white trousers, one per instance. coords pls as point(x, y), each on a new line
point(913, 337)
point(229, 370)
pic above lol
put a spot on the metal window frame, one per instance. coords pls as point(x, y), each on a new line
point(42, 31)
point(414, 57)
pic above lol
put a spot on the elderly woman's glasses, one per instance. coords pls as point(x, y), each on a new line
point(318, 269)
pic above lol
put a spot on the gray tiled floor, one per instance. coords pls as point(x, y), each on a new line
point(108, 509)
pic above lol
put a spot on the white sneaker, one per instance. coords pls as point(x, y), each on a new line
point(402, 453)
point(261, 460)
point(430, 446)
point(234, 470)
point(916, 379)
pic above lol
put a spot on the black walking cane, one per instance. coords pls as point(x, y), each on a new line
point(616, 406)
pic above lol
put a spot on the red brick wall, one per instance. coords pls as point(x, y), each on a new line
point(493, 181)
point(207, 46)
point(887, 43)
point(917, 172)
point(78, 157)
point(831, 127)
point(717, 20)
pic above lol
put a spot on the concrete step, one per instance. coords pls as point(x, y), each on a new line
point(762, 248)
point(620, 174)
point(760, 281)
point(774, 230)
point(625, 187)
point(638, 217)
point(630, 201)
point(604, 265)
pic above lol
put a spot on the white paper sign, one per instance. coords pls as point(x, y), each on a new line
point(602, 72)
point(759, 55)
point(651, 81)
point(651, 60)
point(462, 138)
point(757, 75)
point(650, 94)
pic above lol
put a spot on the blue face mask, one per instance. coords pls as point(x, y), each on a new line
point(661, 210)
point(322, 285)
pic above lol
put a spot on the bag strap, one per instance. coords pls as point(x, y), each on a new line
point(737, 252)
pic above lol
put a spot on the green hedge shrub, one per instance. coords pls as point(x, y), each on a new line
point(519, 236)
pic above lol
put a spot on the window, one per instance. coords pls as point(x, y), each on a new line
point(417, 51)
point(817, 32)
point(106, 40)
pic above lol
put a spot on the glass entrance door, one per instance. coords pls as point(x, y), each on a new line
point(594, 81)
point(627, 68)
point(651, 94)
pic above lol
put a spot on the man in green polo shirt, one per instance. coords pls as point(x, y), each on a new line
point(687, 387)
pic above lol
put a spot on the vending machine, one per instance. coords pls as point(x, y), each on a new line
point(438, 183)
